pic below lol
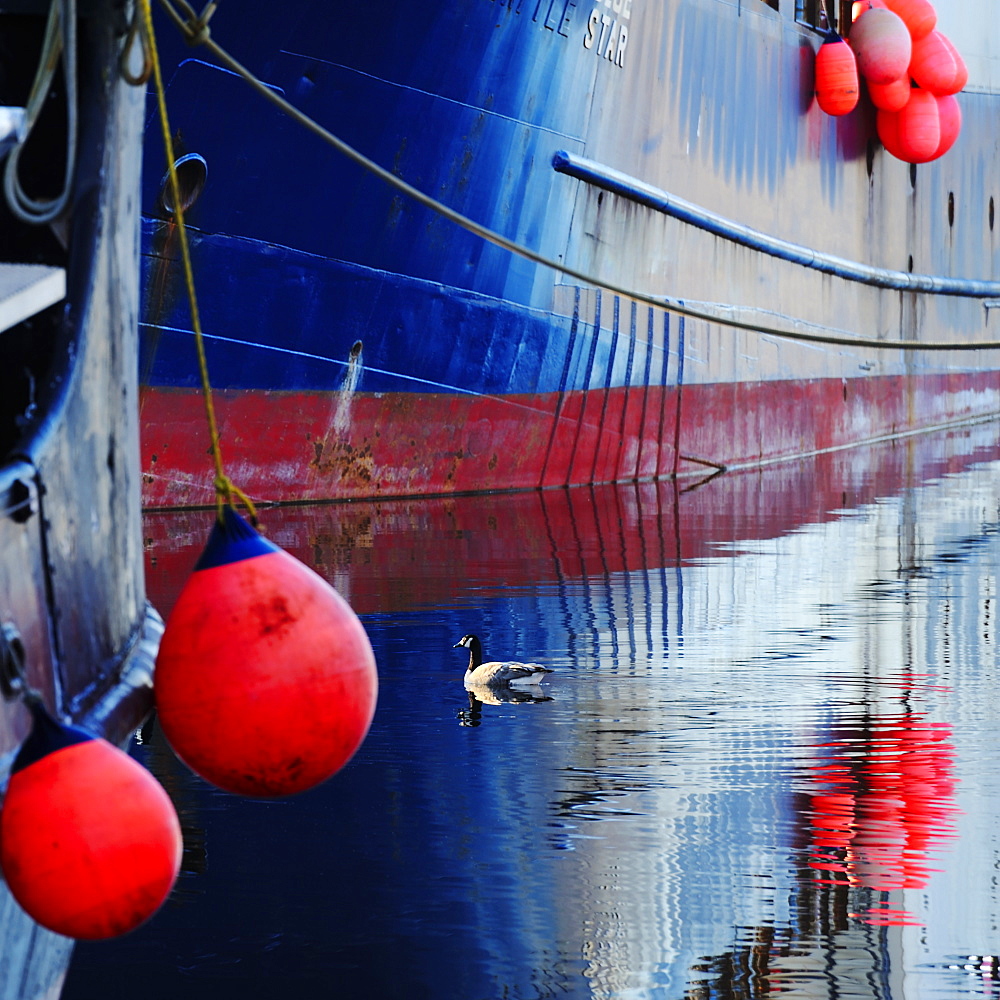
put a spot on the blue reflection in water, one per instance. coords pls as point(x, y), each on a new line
point(765, 762)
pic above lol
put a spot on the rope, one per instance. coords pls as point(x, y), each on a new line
point(60, 40)
point(739, 317)
point(225, 491)
point(136, 31)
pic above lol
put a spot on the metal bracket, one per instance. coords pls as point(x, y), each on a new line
point(13, 684)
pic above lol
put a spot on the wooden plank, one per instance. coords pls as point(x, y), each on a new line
point(27, 289)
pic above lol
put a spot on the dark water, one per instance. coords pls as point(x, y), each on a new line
point(768, 764)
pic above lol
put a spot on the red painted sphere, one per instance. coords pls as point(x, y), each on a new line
point(950, 114)
point(887, 126)
point(89, 841)
point(882, 46)
point(961, 70)
point(918, 15)
point(836, 77)
point(920, 127)
point(892, 96)
point(935, 65)
point(265, 680)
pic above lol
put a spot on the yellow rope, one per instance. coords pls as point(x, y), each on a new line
point(225, 491)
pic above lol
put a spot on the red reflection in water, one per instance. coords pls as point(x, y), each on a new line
point(888, 802)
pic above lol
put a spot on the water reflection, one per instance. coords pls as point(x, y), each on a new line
point(766, 763)
point(481, 696)
point(887, 799)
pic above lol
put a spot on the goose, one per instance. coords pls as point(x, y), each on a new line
point(497, 674)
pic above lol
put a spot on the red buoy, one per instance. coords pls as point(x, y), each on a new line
point(934, 65)
point(836, 76)
point(882, 46)
point(961, 70)
point(887, 126)
point(919, 16)
point(950, 115)
point(890, 96)
point(265, 680)
point(860, 6)
point(90, 844)
point(919, 127)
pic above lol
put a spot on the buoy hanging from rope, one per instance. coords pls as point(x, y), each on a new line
point(836, 76)
point(265, 681)
point(882, 45)
point(90, 844)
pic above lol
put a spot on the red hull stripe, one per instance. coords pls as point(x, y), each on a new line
point(291, 446)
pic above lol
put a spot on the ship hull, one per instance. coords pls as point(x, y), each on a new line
point(361, 345)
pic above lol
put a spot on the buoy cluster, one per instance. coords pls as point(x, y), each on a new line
point(265, 686)
point(911, 70)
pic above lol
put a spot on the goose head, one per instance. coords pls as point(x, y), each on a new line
point(475, 648)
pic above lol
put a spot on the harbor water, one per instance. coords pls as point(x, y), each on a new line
point(766, 762)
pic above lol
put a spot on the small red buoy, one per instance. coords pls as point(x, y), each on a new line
point(90, 844)
point(934, 65)
point(890, 96)
point(950, 115)
point(882, 46)
point(919, 16)
point(836, 76)
point(919, 127)
point(265, 681)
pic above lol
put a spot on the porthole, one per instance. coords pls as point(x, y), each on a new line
point(909, 265)
point(192, 172)
point(951, 208)
point(992, 214)
point(913, 175)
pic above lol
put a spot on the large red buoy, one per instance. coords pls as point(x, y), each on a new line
point(919, 16)
point(882, 45)
point(265, 680)
point(919, 127)
point(90, 844)
point(934, 65)
point(836, 76)
point(950, 116)
point(891, 96)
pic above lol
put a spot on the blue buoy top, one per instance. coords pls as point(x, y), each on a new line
point(232, 540)
point(46, 737)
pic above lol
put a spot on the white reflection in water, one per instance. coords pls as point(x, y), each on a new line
point(765, 762)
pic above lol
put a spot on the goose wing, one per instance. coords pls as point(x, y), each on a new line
point(505, 672)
